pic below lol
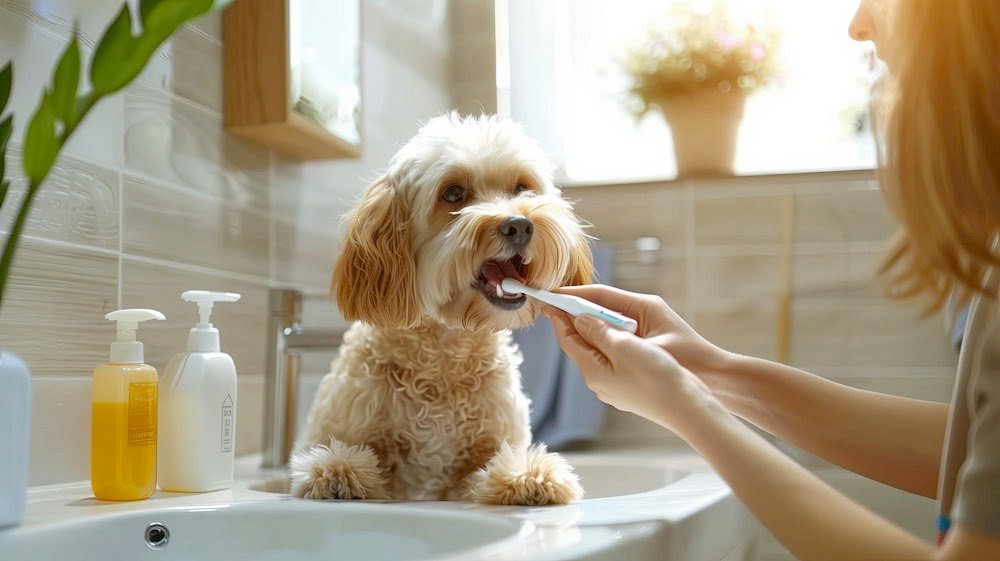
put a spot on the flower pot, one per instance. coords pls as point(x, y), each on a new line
point(704, 125)
point(15, 419)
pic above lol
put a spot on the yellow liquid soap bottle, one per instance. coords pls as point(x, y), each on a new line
point(123, 418)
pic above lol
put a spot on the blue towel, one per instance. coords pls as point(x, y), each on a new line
point(563, 410)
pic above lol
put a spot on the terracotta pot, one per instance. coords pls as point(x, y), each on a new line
point(704, 126)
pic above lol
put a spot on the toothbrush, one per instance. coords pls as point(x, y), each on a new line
point(573, 305)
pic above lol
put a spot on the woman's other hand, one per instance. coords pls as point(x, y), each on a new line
point(631, 373)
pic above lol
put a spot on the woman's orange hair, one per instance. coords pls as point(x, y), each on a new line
point(940, 156)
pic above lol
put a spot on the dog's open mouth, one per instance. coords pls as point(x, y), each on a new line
point(492, 273)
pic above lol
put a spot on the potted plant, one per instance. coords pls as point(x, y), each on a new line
point(118, 58)
point(698, 71)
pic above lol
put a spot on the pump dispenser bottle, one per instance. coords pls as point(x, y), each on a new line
point(198, 407)
point(123, 416)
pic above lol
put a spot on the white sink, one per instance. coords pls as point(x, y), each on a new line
point(286, 530)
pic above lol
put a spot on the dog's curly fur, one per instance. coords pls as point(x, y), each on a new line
point(424, 400)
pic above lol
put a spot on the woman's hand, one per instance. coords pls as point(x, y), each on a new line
point(658, 324)
point(631, 373)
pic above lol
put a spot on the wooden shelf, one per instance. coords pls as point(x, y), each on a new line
point(256, 100)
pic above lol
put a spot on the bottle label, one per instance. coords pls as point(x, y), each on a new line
point(141, 413)
point(227, 424)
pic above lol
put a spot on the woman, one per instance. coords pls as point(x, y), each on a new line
point(941, 130)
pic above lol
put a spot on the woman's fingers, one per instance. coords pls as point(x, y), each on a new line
point(624, 302)
point(582, 353)
point(601, 336)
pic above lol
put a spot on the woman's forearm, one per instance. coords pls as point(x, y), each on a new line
point(813, 520)
point(891, 439)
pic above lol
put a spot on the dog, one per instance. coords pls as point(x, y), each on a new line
point(424, 401)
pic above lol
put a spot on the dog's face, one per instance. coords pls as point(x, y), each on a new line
point(466, 203)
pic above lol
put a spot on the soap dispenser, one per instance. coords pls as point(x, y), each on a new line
point(198, 407)
point(123, 416)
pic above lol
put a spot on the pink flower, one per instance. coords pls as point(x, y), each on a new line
point(726, 41)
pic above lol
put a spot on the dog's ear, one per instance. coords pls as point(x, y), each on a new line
point(581, 262)
point(374, 280)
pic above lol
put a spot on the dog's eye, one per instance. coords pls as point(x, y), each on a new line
point(454, 194)
point(520, 189)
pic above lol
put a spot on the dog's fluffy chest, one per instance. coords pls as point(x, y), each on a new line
point(434, 409)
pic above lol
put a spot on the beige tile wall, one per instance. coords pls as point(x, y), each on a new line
point(153, 197)
point(719, 264)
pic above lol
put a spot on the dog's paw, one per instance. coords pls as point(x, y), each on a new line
point(525, 476)
point(337, 471)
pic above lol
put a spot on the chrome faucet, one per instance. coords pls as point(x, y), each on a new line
point(285, 339)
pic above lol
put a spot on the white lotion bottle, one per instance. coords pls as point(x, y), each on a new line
point(197, 423)
point(15, 423)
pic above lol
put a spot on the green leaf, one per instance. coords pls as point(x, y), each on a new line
point(165, 16)
point(40, 143)
point(110, 69)
point(66, 80)
point(6, 127)
point(6, 77)
point(146, 6)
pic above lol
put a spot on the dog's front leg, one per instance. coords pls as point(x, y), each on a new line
point(522, 475)
point(338, 471)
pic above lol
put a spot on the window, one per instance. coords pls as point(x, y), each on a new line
point(559, 73)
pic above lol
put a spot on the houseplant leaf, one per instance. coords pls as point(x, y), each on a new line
point(40, 142)
point(6, 77)
point(65, 81)
point(113, 60)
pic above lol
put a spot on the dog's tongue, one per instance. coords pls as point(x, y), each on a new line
point(495, 272)
point(510, 270)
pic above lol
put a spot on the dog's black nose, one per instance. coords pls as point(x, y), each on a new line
point(517, 230)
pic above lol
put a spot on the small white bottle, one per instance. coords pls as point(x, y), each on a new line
point(15, 423)
point(197, 424)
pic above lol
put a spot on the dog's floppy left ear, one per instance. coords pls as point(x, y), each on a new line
point(374, 279)
point(581, 263)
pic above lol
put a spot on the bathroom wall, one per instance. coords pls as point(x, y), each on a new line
point(153, 197)
point(726, 253)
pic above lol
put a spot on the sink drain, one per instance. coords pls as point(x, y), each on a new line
point(157, 536)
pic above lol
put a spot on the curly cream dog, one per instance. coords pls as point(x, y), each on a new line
point(424, 400)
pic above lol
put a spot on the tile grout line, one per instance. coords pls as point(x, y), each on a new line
point(198, 269)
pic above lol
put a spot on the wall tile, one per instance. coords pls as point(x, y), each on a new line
point(837, 274)
point(653, 272)
point(844, 215)
point(189, 64)
point(33, 35)
point(171, 223)
point(731, 277)
point(53, 315)
point(876, 332)
point(663, 214)
point(210, 25)
point(242, 325)
point(60, 430)
point(739, 220)
point(304, 256)
point(179, 142)
point(78, 202)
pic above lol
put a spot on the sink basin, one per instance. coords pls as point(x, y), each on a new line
point(601, 476)
point(284, 530)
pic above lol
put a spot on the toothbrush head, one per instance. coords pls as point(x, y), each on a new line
point(511, 286)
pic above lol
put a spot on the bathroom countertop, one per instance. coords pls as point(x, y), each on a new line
point(693, 495)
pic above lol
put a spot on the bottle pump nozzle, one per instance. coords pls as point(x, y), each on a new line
point(203, 337)
point(125, 348)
